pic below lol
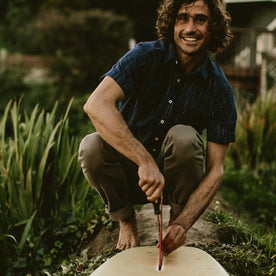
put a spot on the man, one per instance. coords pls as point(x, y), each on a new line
point(168, 92)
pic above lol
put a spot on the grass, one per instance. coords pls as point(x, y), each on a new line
point(249, 184)
point(243, 250)
point(252, 194)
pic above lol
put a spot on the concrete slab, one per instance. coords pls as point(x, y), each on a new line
point(143, 261)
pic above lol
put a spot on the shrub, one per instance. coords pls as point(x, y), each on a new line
point(86, 44)
point(253, 194)
point(12, 85)
point(16, 31)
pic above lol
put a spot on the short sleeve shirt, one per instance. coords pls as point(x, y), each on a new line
point(158, 95)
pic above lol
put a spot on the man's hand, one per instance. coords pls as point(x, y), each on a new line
point(151, 181)
point(175, 236)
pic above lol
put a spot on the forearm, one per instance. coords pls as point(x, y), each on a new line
point(200, 199)
point(112, 127)
point(110, 124)
point(175, 234)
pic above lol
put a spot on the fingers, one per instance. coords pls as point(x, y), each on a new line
point(175, 237)
point(147, 183)
point(149, 178)
point(151, 182)
point(153, 195)
point(153, 190)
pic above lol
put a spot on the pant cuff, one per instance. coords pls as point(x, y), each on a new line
point(121, 214)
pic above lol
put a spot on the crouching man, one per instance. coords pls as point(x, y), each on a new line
point(168, 92)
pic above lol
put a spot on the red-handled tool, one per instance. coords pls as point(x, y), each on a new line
point(158, 212)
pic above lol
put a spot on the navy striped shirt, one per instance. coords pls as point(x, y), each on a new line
point(158, 95)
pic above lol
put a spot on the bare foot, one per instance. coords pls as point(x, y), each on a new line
point(128, 236)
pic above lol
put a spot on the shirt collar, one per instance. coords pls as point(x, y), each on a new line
point(203, 68)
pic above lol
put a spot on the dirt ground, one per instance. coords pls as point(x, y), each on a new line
point(202, 232)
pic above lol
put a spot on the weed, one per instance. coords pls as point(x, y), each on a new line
point(82, 265)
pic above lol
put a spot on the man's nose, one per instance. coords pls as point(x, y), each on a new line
point(190, 27)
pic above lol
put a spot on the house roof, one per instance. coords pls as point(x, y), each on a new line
point(246, 1)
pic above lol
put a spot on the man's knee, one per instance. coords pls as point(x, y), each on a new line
point(90, 149)
point(184, 142)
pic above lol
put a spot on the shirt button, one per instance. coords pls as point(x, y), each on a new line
point(170, 101)
point(154, 150)
point(176, 62)
point(178, 80)
point(156, 139)
point(162, 122)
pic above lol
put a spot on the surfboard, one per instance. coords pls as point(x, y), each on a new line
point(143, 261)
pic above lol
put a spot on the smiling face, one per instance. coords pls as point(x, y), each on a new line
point(191, 32)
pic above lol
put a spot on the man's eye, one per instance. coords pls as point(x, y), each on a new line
point(201, 19)
point(182, 18)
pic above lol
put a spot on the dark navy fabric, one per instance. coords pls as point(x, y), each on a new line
point(158, 95)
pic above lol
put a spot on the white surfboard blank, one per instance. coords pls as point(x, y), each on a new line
point(143, 261)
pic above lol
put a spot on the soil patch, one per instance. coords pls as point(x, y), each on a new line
point(202, 232)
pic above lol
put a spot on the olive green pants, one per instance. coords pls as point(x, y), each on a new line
point(181, 160)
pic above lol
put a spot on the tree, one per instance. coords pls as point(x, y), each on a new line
point(85, 43)
point(142, 13)
point(15, 18)
point(16, 33)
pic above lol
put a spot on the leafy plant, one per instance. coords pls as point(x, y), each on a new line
point(256, 132)
point(40, 179)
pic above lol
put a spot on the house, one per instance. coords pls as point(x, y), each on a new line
point(250, 61)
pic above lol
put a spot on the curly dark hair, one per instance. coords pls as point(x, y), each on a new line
point(219, 25)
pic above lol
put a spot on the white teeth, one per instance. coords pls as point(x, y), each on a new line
point(190, 38)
